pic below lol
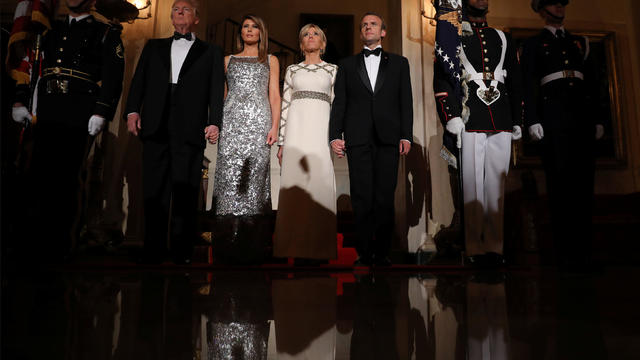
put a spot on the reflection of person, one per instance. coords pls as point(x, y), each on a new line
point(558, 95)
point(79, 90)
point(306, 221)
point(374, 319)
point(373, 109)
point(242, 187)
point(304, 312)
point(176, 91)
point(236, 314)
point(487, 320)
point(492, 79)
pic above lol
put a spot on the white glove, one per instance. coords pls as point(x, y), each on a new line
point(517, 133)
point(20, 114)
point(96, 124)
point(599, 131)
point(536, 132)
point(456, 127)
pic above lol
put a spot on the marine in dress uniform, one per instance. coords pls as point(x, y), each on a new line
point(485, 122)
point(559, 112)
point(78, 92)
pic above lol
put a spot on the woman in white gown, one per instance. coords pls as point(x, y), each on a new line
point(306, 220)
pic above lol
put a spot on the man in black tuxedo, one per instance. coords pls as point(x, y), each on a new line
point(177, 91)
point(373, 108)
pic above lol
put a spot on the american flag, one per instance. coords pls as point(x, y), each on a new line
point(448, 40)
point(448, 44)
point(31, 17)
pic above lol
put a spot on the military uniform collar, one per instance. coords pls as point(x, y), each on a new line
point(553, 30)
point(77, 18)
point(479, 24)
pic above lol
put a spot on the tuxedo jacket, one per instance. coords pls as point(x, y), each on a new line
point(197, 99)
point(364, 114)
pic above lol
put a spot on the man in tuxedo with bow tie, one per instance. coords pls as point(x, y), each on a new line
point(175, 100)
point(372, 124)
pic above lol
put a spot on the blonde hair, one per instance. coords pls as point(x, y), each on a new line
point(263, 42)
point(306, 29)
point(194, 3)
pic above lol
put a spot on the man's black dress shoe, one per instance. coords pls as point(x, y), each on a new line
point(383, 261)
point(150, 259)
point(494, 259)
point(184, 260)
point(490, 260)
point(309, 262)
point(363, 261)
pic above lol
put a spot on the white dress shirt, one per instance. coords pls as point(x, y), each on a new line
point(77, 18)
point(179, 50)
point(372, 63)
point(555, 29)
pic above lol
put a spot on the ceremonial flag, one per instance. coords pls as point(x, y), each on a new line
point(32, 17)
point(448, 40)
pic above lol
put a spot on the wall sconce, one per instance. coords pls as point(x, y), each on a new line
point(428, 10)
point(144, 8)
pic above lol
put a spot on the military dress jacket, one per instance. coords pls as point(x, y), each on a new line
point(483, 49)
point(81, 72)
point(559, 81)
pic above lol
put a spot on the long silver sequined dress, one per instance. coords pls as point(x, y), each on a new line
point(242, 184)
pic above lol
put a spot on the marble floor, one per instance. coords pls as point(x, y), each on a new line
point(170, 312)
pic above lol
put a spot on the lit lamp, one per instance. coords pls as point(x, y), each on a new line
point(144, 8)
point(427, 9)
point(118, 11)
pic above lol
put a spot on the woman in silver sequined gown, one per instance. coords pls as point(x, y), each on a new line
point(242, 188)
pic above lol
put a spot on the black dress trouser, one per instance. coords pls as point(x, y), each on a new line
point(171, 174)
point(373, 174)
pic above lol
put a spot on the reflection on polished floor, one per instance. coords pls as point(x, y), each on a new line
point(71, 312)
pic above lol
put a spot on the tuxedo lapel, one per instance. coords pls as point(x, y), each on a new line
point(194, 53)
point(362, 70)
point(165, 52)
point(382, 71)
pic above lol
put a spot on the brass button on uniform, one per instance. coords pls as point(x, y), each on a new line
point(566, 61)
point(61, 49)
point(486, 68)
point(486, 59)
point(59, 61)
point(484, 43)
point(64, 38)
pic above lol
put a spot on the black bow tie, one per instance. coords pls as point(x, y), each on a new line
point(178, 36)
point(375, 52)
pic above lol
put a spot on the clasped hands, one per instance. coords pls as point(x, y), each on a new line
point(339, 146)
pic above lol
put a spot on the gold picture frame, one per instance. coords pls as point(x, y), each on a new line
point(610, 150)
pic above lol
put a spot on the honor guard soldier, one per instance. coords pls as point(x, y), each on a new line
point(485, 122)
point(77, 94)
point(560, 113)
